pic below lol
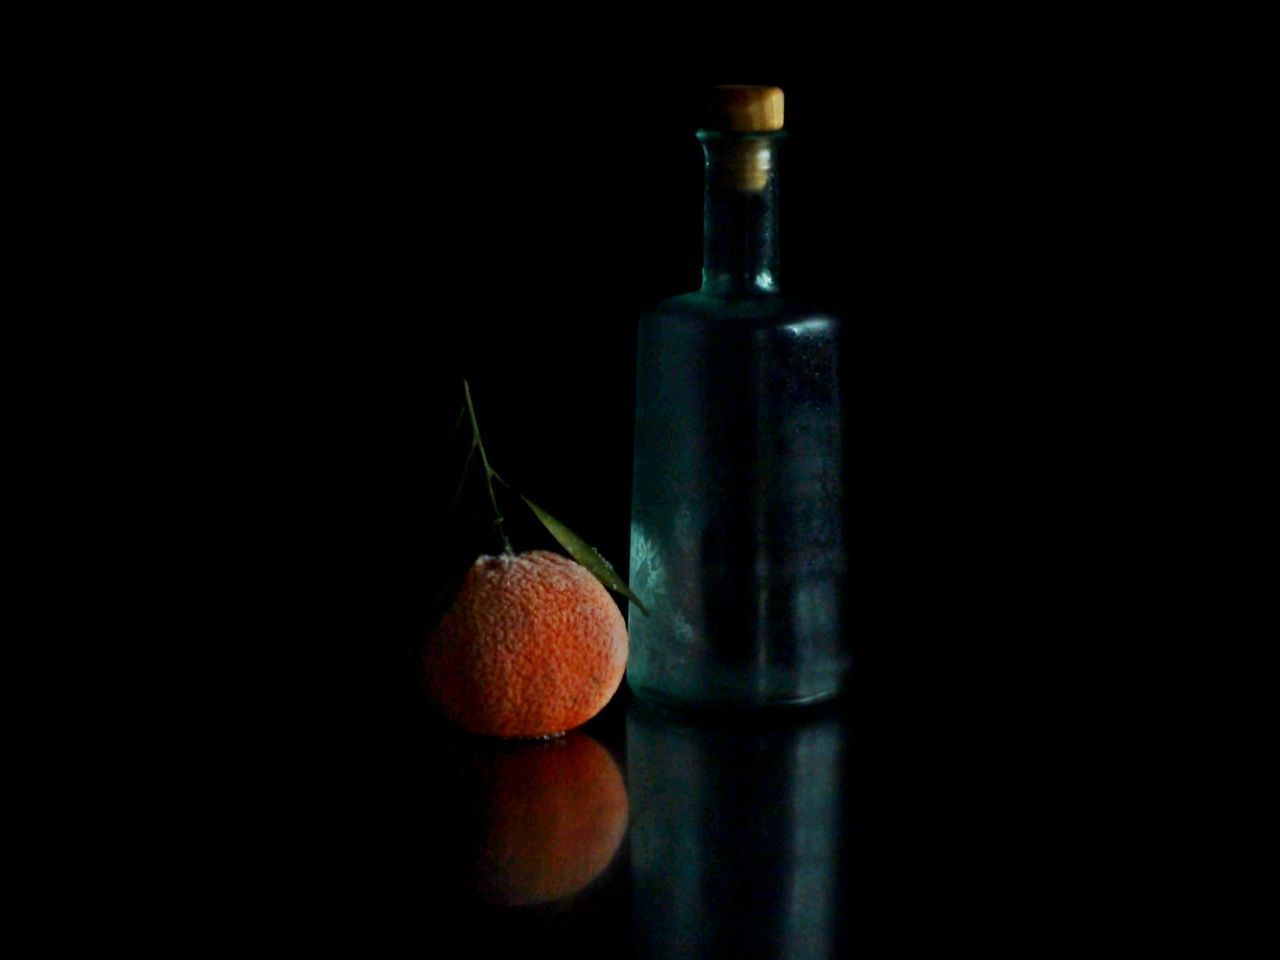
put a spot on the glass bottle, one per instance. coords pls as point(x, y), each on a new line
point(737, 519)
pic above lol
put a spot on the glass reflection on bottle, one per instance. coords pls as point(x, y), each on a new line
point(735, 838)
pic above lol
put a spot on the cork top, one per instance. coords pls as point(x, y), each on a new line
point(736, 108)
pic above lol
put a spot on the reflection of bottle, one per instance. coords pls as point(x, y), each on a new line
point(736, 536)
point(735, 838)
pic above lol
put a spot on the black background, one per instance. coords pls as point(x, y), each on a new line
point(515, 248)
point(510, 231)
point(508, 228)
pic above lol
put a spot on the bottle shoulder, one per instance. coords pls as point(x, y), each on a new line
point(753, 312)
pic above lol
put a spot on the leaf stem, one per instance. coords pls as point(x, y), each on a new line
point(489, 473)
point(462, 482)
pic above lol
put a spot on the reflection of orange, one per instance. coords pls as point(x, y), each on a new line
point(552, 815)
point(531, 647)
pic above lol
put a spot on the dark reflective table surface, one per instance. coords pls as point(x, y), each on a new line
point(643, 834)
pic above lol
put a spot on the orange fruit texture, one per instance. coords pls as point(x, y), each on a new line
point(532, 646)
point(545, 819)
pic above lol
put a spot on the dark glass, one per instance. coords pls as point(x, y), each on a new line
point(737, 838)
point(737, 531)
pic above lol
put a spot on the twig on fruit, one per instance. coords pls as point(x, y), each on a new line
point(462, 482)
point(489, 473)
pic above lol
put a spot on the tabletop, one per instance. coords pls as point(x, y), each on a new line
point(643, 834)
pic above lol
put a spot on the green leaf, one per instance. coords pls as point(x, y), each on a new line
point(585, 554)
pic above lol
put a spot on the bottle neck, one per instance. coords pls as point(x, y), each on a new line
point(740, 217)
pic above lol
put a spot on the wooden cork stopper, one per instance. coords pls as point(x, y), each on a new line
point(736, 108)
point(743, 161)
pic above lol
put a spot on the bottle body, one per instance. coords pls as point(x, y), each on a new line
point(737, 516)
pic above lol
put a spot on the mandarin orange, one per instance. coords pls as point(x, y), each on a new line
point(531, 646)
